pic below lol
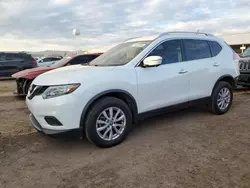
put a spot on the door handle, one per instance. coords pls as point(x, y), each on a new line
point(183, 71)
point(216, 64)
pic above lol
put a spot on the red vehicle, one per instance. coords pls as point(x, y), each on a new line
point(25, 77)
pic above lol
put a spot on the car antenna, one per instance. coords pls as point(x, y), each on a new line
point(197, 31)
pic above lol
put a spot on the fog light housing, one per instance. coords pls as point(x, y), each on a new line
point(52, 121)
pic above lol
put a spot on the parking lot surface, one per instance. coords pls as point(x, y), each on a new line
point(188, 148)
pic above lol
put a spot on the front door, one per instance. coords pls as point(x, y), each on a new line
point(167, 84)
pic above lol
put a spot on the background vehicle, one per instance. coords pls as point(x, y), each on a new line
point(47, 61)
point(244, 66)
point(37, 58)
point(24, 78)
point(132, 80)
point(11, 63)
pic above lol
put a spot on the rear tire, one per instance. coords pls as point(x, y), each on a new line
point(108, 122)
point(222, 98)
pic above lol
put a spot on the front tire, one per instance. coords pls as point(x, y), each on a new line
point(26, 86)
point(222, 98)
point(108, 122)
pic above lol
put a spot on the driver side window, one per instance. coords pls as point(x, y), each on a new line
point(170, 51)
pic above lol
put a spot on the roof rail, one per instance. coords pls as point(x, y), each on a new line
point(185, 32)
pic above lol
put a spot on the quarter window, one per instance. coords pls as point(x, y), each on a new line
point(170, 51)
point(196, 49)
point(215, 48)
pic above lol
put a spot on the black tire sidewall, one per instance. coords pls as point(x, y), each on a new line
point(218, 87)
point(26, 89)
point(97, 108)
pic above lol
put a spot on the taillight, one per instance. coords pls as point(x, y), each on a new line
point(35, 63)
point(236, 57)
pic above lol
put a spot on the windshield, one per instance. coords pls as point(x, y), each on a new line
point(60, 62)
point(121, 54)
point(246, 53)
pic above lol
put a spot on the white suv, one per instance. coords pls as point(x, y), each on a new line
point(138, 77)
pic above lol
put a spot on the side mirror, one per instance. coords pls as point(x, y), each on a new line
point(152, 61)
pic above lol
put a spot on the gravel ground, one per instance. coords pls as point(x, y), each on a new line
point(188, 148)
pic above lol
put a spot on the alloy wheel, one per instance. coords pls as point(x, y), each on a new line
point(223, 98)
point(111, 123)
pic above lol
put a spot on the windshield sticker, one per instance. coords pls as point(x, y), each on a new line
point(138, 45)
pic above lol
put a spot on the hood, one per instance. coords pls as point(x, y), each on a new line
point(31, 73)
point(71, 74)
point(245, 59)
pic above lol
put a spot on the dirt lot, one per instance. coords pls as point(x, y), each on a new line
point(190, 148)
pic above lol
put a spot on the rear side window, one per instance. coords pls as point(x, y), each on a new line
point(196, 49)
point(215, 48)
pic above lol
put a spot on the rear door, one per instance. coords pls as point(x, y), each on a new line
point(200, 66)
point(218, 62)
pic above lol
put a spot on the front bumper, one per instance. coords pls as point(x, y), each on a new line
point(20, 84)
point(39, 128)
point(65, 109)
point(244, 79)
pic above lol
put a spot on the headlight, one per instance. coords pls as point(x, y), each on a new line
point(55, 91)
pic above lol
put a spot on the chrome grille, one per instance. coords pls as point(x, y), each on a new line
point(244, 65)
point(32, 87)
point(241, 65)
point(36, 90)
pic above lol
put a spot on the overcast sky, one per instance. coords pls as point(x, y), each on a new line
point(47, 24)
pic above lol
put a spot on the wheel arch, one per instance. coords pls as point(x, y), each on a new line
point(117, 93)
point(226, 78)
